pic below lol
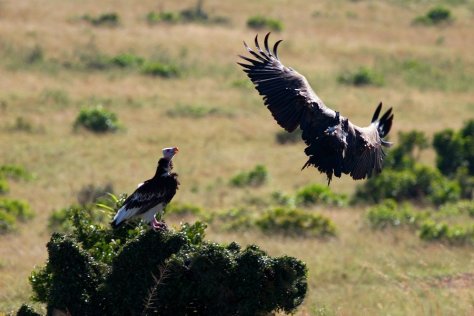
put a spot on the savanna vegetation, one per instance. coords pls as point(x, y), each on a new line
point(90, 95)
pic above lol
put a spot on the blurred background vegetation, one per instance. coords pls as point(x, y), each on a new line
point(90, 92)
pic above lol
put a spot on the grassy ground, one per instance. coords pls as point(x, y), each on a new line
point(45, 81)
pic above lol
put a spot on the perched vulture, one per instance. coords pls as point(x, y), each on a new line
point(151, 196)
point(334, 144)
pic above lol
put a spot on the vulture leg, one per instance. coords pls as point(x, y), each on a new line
point(159, 225)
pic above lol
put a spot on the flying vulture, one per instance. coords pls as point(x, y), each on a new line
point(334, 144)
point(151, 196)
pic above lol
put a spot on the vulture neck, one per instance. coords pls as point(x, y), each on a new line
point(164, 167)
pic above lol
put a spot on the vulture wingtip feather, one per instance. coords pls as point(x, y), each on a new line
point(376, 113)
point(265, 42)
point(275, 48)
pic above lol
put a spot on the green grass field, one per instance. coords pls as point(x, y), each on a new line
point(54, 62)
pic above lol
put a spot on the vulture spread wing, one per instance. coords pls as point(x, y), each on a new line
point(334, 144)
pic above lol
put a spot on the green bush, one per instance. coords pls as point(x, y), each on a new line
point(295, 222)
point(15, 172)
point(259, 22)
point(362, 77)
point(4, 187)
point(319, 194)
point(256, 177)
point(455, 149)
point(106, 19)
point(453, 234)
point(422, 183)
point(434, 16)
point(163, 16)
point(159, 69)
point(12, 211)
point(283, 137)
point(97, 120)
point(390, 214)
point(127, 60)
point(96, 270)
point(7, 222)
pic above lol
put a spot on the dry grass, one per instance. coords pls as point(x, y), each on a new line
point(360, 272)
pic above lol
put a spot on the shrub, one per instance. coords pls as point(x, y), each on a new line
point(256, 177)
point(455, 149)
point(96, 270)
point(106, 19)
point(362, 77)
point(20, 209)
point(295, 222)
point(283, 137)
point(434, 16)
point(319, 194)
point(406, 154)
point(15, 172)
point(259, 22)
point(4, 187)
point(11, 211)
point(233, 219)
point(7, 222)
point(389, 213)
point(97, 120)
point(163, 16)
point(127, 60)
point(159, 69)
point(421, 183)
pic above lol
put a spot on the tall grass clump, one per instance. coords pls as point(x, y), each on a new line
point(97, 120)
point(258, 22)
point(256, 177)
point(435, 16)
point(363, 76)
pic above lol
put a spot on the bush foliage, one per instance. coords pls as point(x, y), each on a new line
point(256, 177)
point(315, 194)
point(110, 19)
point(260, 22)
point(295, 222)
point(135, 270)
point(435, 16)
point(451, 223)
point(97, 120)
point(12, 211)
point(404, 178)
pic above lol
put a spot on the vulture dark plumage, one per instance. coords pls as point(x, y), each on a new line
point(151, 196)
point(334, 144)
